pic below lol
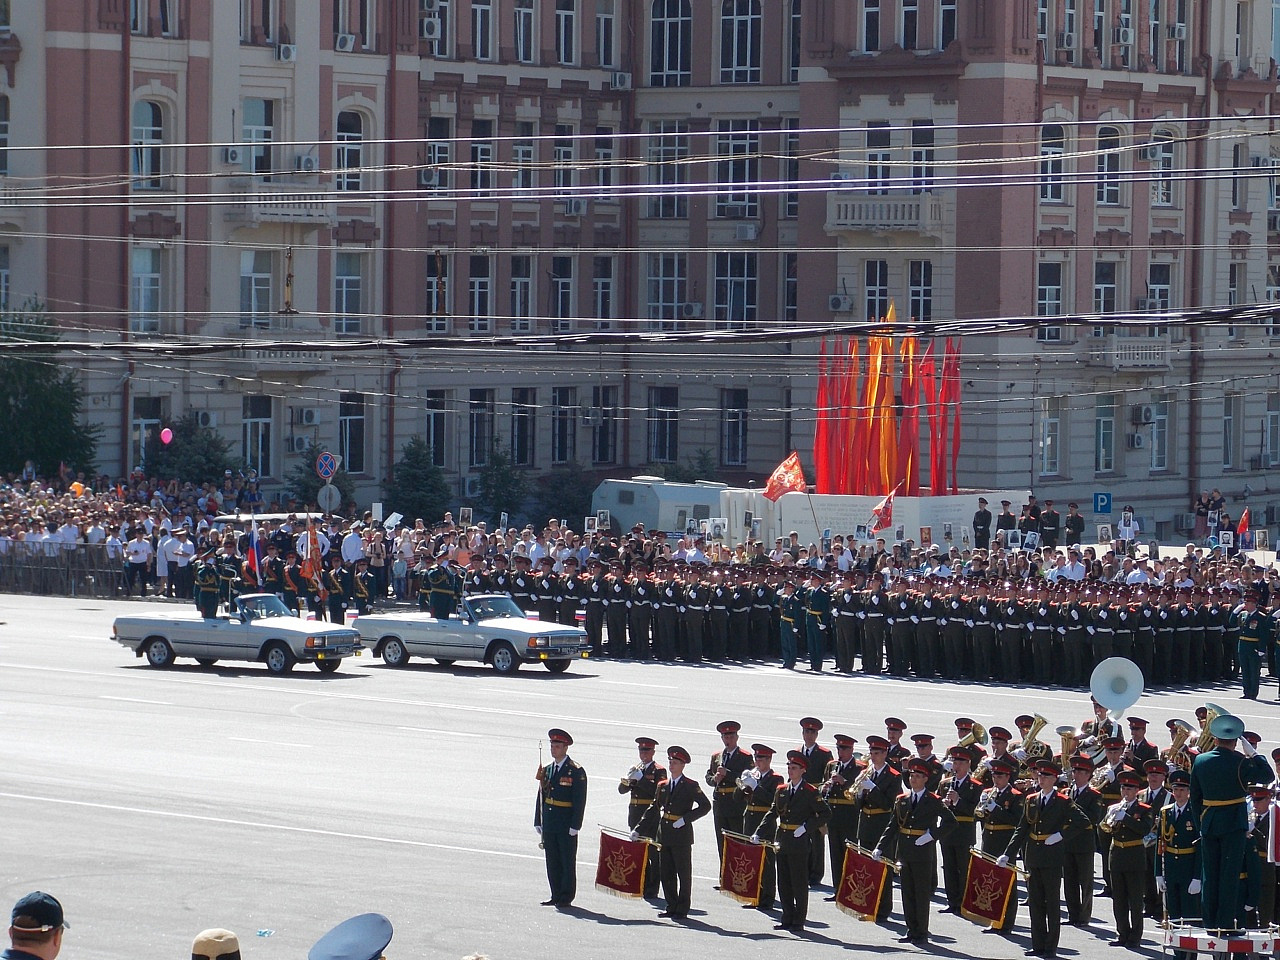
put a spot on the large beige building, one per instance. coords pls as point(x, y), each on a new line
point(295, 175)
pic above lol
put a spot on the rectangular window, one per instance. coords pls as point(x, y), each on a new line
point(255, 434)
point(669, 169)
point(481, 156)
point(877, 289)
point(1161, 170)
point(145, 289)
point(1048, 300)
point(1239, 176)
point(870, 26)
point(740, 41)
point(562, 309)
point(257, 19)
point(1050, 436)
point(521, 293)
point(348, 301)
point(738, 142)
point(437, 305)
point(1108, 164)
point(920, 289)
point(791, 166)
point(258, 134)
point(567, 32)
point(666, 290)
point(1159, 287)
point(479, 427)
point(482, 29)
point(434, 22)
point(1231, 405)
point(522, 32)
point(563, 154)
point(1104, 434)
point(664, 424)
point(349, 151)
point(1271, 430)
point(910, 23)
point(671, 44)
point(255, 289)
point(564, 424)
point(351, 428)
point(1160, 435)
point(922, 156)
point(439, 151)
point(793, 60)
point(147, 155)
point(1104, 286)
point(606, 42)
point(736, 284)
point(1053, 147)
point(790, 287)
point(879, 173)
point(523, 156)
point(437, 426)
point(148, 414)
point(480, 295)
point(604, 415)
point(733, 427)
point(604, 164)
point(602, 270)
point(947, 23)
point(524, 410)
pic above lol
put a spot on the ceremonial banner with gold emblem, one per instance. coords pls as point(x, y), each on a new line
point(622, 864)
point(987, 890)
point(861, 883)
point(742, 869)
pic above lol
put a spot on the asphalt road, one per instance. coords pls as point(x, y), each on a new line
point(155, 804)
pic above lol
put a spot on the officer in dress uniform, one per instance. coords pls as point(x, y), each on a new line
point(644, 596)
point(360, 586)
point(205, 587)
point(1255, 629)
point(955, 622)
point(740, 617)
point(790, 619)
point(335, 586)
point(546, 591)
point(641, 785)
point(720, 599)
point(1000, 811)
point(571, 594)
point(562, 801)
point(1177, 865)
point(521, 585)
point(228, 567)
point(758, 785)
point(874, 617)
point(960, 794)
point(817, 619)
point(816, 759)
point(1155, 795)
point(1127, 823)
point(1048, 817)
point(595, 603)
point(874, 791)
point(617, 596)
point(444, 589)
point(1261, 874)
point(722, 777)
point(982, 525)
point(1050, 525)
point(985, 614)
point(843, 825)
point(693, 612)
point(796, 817)
point(678, 803)
point(294, 583)
point(476, 580)
point(844, 616)
point(764, 599)
point(1078, 865)
point(669, 594)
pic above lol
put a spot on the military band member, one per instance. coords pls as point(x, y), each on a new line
point(816, 758)
point(874, 790)
point(1080, 849)
point(843, 825)
point(722, 777)
point(1000, 811)
point(562, 801)
point(1155, 795)
point(918, 821)
point(641, 785)
point(1048, 818)
point(1127, 823)
point(678, 803)
point(1139, 749)
point(1030, 752)
point(1177, 863)
point(1108, 784)
point(335, 588)
point(899, 753)
point(960, 794)
point(797, 815)
point(758, 785)
point(1261, 874)
point(924, 751)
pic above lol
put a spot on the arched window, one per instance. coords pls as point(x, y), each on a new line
point(671, 46)
point(1160, 153)
point(349, 156)
point(147, 155)
point(1108, 166)
point(1053, 144)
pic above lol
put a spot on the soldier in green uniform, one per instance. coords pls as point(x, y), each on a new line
point(874, 791)
point(1262, 875)
point(1255, 629)
point(206, 585)
point(641, 785)
point(740, 616)
point(546, 590)
point(791, 606)
point(757, 787)
point(919, 819)
point(924, 751)
point(678, 803)
point(817, 619)
point(571, 593)
point(1127, 823)
point(844, 615)
point(562, 801)
point(955, 623)
point(843, 826)
point(816, 759)
point(874, 617)
point(335, 585)
point(228, 567)
point(764, 599)
point(444, 588)
point(644, 593)
point(1000, 811)
point(1177, 864)
point(722, 777)
point(1080, 849)
point(960, 793)
point(796, 817)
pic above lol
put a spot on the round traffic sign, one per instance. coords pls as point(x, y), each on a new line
point(328, 498)
point(326, 465)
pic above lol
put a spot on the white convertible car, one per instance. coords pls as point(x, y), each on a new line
point(490, 628)
point(260, 627)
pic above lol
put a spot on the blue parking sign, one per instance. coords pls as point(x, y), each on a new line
point(1102, 503)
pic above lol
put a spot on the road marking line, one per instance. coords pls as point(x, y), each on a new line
point(627, 683)
point(446, 733)
point(273, 743)
point(156, 703)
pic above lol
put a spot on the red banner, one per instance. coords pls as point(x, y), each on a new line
point(787, 477)
point(987, 890)
point(1273, 825)
point(620, 870)
point(742, 870)
point(861, 884)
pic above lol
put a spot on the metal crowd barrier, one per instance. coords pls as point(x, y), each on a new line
point(54, 569)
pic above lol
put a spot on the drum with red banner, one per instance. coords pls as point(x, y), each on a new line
point(620, 870)
point(987, 890)
point(742, 869)
point(861, 883)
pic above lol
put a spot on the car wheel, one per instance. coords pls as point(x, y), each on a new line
point(279, 659)
point(556, 666)
point(394, 653)
point(328, 666)
point(505, 659)
point(445, 662)
point(206, 661)
point(159, 653)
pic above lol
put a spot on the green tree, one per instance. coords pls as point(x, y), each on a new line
point(196, 453)
point(416, 487)
point(41, 401)
point(564, 494)
point(502, 487)
point(305, 483)
point(701, 466)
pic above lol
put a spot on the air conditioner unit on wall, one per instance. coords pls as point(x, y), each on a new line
point(575, 207)
point(1124, 35)
point(206, 418)
point(298, 444)
point(344, 42)
point(1143, 414)
point(306, 164)
point(592, 417)
point(839, 303)
point(428, 178)
point(1136, 441)
point(471, 486)
point(233, 156)
point(691, 310)
point(746, 231)
point(430, 29)
point(287, 53)
point(1177, 31)
point(306, 416)
point(1066, 41)
point(619, 80)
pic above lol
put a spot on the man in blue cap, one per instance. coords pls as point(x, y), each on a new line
point(562, 801)
point(1218, 779)
point(35, 928)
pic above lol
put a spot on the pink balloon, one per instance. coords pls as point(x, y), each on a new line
point(166, 435)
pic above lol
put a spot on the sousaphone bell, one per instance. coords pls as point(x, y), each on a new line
point(1116, 683)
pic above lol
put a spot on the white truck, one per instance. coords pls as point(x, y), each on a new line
point(490, 628)
point(260, 627)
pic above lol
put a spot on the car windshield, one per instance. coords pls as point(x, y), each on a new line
point(260, 608)
point(490, 607)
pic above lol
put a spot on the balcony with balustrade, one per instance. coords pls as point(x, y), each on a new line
point(1122, 352)
point(860, 211)
point(254, 201)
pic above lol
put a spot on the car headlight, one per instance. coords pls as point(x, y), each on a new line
point(537, 641)
point(313, 642)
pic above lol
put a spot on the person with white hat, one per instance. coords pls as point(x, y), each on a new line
point(215, 944)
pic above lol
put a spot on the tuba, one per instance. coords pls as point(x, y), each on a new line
point(977, 735)
point(1212, 712)
point(1176, 753)
point(1068, 735)
point(1038, 723)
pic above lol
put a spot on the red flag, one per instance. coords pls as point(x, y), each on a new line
point(864, 424)
point(887, 451)
point(908, 474)
point(873, 386)
point(787, 477)
point(861, 884)
point(742, 870)
point(620, 870)
point(987, 889)
point(1244, 524)
point(953, 397)
point(927, 390)
point(842, 400)
point(882, 513)
point(822, 429)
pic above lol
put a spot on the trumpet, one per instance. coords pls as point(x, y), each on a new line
point(630, 776)
point(854, 788)
point(749, 779)
point(1115, 813)
point(986, 803)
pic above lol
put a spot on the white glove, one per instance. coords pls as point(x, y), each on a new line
point(924, 839)
point(681, 609)
point(822, 626)
point(968, 623)
point(1091, 631)
point(876, 855)
point(635, 835)
point(1019, 753)
point(946, 765)
point(538, 830)
point(1002, 861)
point(1110, 774)
point(750, 781)
point(915, 619)
point(573, 832)
point(679, 823)
point(1052, 839)
point(637, 774)
point(866, 786)
point(1160, 884)
point(755, 838)
point(1247, 748)
point(1193, 887)
point(800, 831)
point(628, 604)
